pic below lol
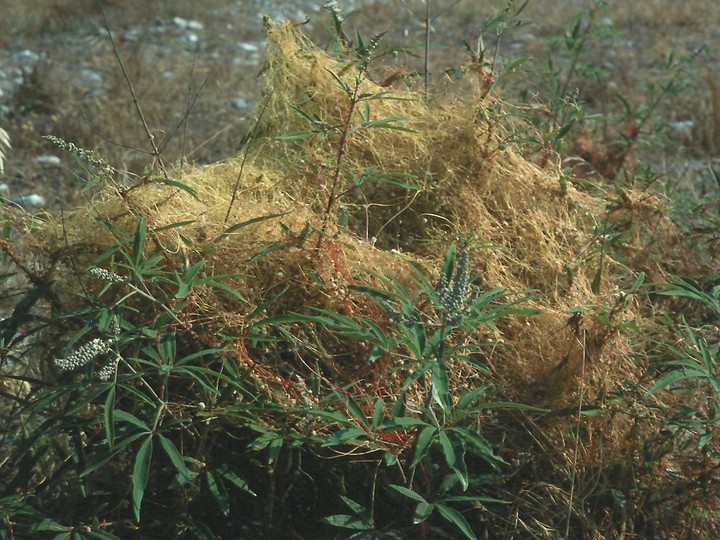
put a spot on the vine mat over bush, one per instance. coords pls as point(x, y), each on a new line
point(266, 338)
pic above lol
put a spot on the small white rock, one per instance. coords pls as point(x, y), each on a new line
point(241, 103)
point(195, 26)
point(32, 200)
point(684, 125)
point(27, 56)
point(48, 161)
point(247, 47)
point(181, 23)
point(131, 36)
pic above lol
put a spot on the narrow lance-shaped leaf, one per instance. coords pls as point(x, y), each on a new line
point(139, 241)
point(141, 474)
point(425, 439)
point(455, 517)
point(219, 493)
point(187, 281)
point(176, 458)
point(110, 417)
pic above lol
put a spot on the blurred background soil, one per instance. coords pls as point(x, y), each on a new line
point(194, 68)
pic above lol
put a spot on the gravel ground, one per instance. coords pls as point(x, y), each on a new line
point(59, 75)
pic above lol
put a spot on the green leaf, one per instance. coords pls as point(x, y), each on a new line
point(213, 282)
point(175, 225)
point(139, 241)
point(21, 313)
point(296, 135)
point(425, 440)
point(468, 398)
point(404, 421)
point(356, 411)
point(638, 282)
point(386, 123)
point(49, 525)
point(378, 413)
point(227, 232)
point(454, 452)
point(342, 84)
point(274, 449)
point(127, 417)
point(362, 520)
point(449, 263)
point(675, 376)
point(198, 373)
point(187, 189)
point(141, 474)
point(367, 173)
point(347, 522)
point(108, 456)
point(619, 497)
point(455, 517)
point(168, 349)
point(422, 512)
point(219, 493)
point(102, 535)
point(343, 436)
point(563, 131)
point(329, 416)
point(187, 282)
point(481, 446)
point(238, 482)
point(177, 460)
point(267, 249)
point(595, 285)
point(110, 417)
point(358, 510)
point(408, 493)
point(440, 388)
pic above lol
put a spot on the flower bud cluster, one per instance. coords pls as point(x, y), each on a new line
point(108, 370)
point(105, 275)
point(84, 354)
point(398, 317)
point(333, 7)
point(395, 315)
point(83, 155)
point(455, 299)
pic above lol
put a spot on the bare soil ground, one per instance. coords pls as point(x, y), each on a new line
point(194, 68)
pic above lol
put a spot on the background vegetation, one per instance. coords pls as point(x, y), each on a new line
point(473, 294)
